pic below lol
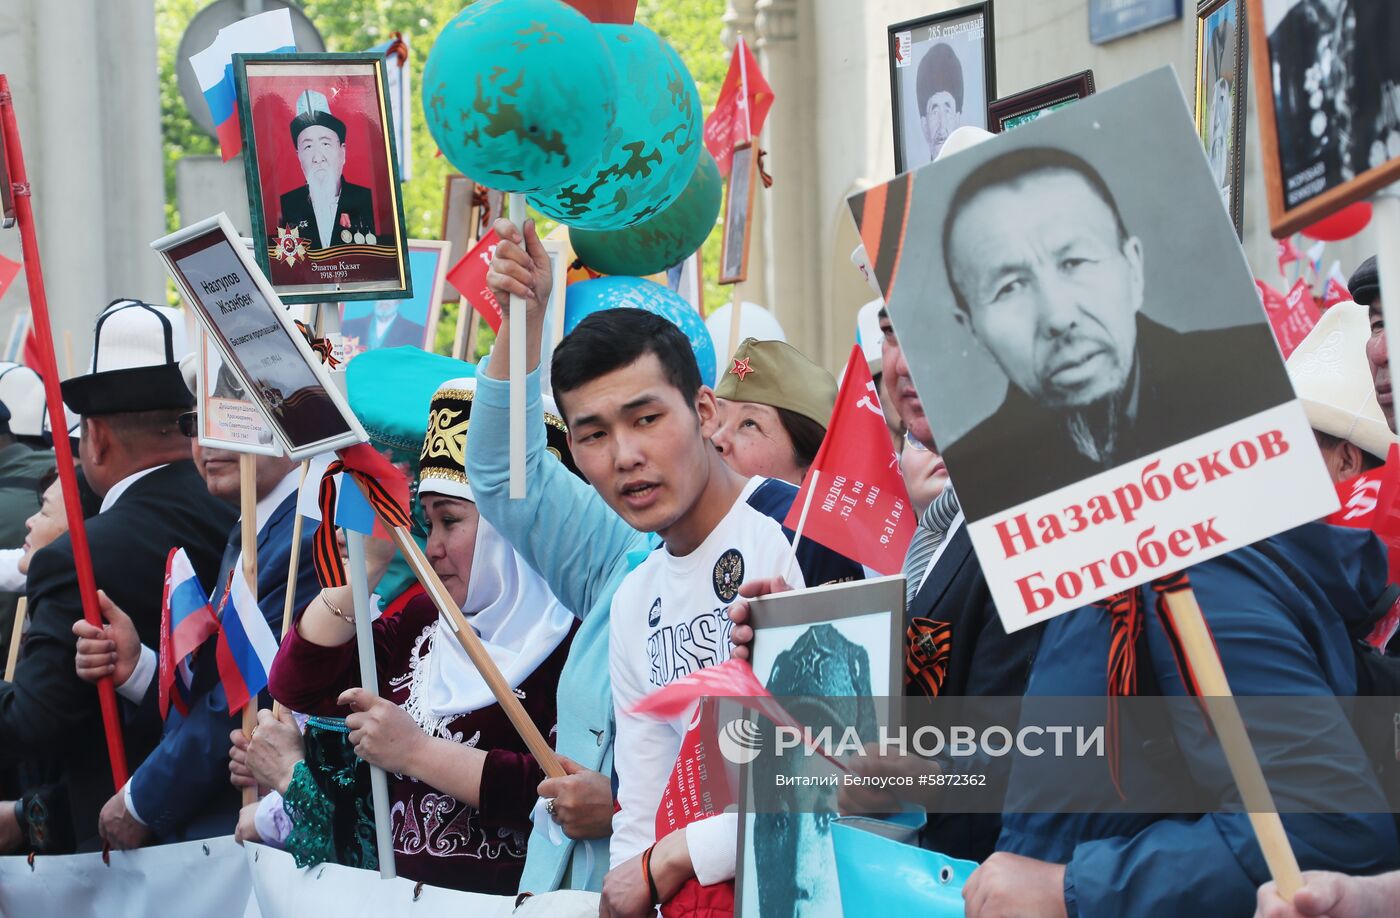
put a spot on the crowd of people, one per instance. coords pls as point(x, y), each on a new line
point(655, 511)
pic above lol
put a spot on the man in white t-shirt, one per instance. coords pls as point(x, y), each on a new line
point(640, 422)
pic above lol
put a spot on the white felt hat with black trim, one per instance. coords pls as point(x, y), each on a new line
point(22, 391)
point(136, 353)
point(1333, 381)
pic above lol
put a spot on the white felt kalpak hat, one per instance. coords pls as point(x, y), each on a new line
point(22, 391)
point(136, 353)
point(1332, 380)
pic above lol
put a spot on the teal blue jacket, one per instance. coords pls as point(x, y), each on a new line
point(565, 531)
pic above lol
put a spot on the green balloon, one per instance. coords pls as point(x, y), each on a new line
point(520, 94)
point(651, 151)
point(661, 241)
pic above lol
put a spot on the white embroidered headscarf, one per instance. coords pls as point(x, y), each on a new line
point(510, 607)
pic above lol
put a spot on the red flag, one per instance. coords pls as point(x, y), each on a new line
point(30, 355)
point(392, 479)
point(1287, 253)
point(1371, 501)
point(861, 508)
point(1291, 317)
point(738, 115)
point(9, 270)
point(469, 276)
point(1335, 292)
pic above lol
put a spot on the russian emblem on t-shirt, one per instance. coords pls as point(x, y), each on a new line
point(729, 573)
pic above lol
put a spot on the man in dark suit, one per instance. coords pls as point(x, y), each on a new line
point(182, 790)
point(1046, 276)
point(153, 500)
point(327, 210)
point(385, 326)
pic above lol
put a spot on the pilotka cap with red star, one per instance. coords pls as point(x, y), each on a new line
point(775, 373)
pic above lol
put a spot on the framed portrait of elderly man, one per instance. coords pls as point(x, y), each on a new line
point(368, 325)
point(1092, 374)
point(1328, 83)
point(1029, 104)
point(942, 75)
point(1221, 94)
point(832, 656)
point(323, 179)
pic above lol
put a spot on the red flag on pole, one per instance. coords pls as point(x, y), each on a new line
point(1287, 254)
point(1334, 293)
point(9, 270)
point(469, 276)
point(1371, 501)
point(741, 108)
point(861, 508)
point(1291, 317)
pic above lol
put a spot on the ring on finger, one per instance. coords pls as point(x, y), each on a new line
point(549, 808)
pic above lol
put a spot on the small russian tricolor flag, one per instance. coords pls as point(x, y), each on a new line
point(265, 33)
point(186, 622)
point(246, 644)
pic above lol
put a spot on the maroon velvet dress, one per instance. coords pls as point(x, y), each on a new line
point(437, 839)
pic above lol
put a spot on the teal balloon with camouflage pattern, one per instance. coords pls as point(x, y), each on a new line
point(661, 241)
point(651, 150)
point(520, 94)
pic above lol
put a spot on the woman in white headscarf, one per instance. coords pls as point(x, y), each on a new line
point(462, 784)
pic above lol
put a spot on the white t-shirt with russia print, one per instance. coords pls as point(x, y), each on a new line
point(668, 620)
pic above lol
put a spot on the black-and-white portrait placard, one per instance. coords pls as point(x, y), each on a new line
point(1094, 360)
point(942, 75)
point(258, 339)
point(832, 655)
point(1330, 128)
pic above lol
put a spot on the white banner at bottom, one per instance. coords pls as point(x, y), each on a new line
point(198, 878)
point(218, 878)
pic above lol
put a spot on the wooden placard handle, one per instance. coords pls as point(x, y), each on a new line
point(1204, 660)
point(289, 604)
point(16, 635)
point(248, 503)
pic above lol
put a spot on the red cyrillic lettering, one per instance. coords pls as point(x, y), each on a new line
point(1031, 595)
point(1129, 500)
point(1051, 529)
point(1144, 547)
point(1179, 542)
point(1078, 522)
point(1206, 533)
point(1211, 467)
point(1126, 568)
point(1273, 444)
point(1243, 454)
point(1023, 532)
point(1069, 585)
point(1179, 476)
point(1101, 511)
point(1150, 478)
point(1095, 572)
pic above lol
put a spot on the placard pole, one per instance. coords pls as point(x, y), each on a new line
point(369, 678)
point(63, 453)
point(1204, 660)
point(518, 334)
point(248, 505)
point(16, 635)
point(736, 310)
point(289, 604)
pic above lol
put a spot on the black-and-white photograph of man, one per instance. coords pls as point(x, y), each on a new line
point(1066, 325)
point(1336, 90)
point(939, 77)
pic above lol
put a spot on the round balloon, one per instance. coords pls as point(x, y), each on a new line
point(754, 322)
point(520, 94)
point(650, 152)
point(661, 241)
point(587, 297)
point(576, 270)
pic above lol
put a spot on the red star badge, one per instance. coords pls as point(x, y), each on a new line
point(741, 368)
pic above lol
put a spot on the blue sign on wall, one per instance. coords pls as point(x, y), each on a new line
point(1112, 19)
